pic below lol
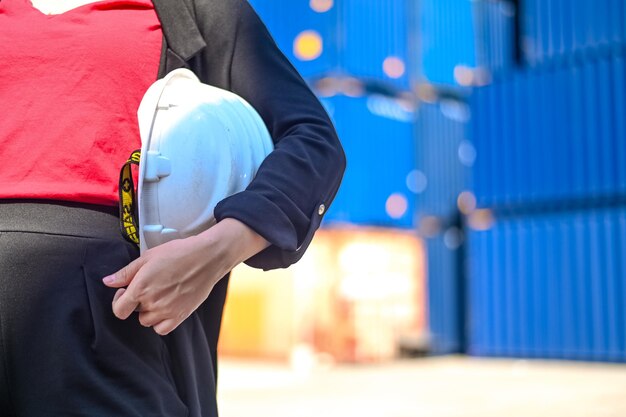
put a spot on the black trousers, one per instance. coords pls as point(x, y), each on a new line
point(63, 352)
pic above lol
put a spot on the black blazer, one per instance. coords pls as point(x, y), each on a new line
point(226, 45)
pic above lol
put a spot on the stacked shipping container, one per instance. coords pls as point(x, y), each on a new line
point(520, 123)
point(550, 285)
point(446, 56)
point(495, 36)
point(548, 136)
point(547, 278)
point(561, 31)
point(377, 188)
point(444, 162)
point(288, 23)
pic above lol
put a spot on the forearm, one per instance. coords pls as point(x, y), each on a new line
point(235, 240)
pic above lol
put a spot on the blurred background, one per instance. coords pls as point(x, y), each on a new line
point(482, 215)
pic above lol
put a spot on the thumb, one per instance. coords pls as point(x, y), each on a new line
point(124, 276)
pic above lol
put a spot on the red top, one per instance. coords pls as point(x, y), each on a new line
point(70, 86)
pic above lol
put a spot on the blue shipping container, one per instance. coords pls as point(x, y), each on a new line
point(551, 286)
point(444, 156)
point(494, 23)
point(551, 135)
point(446, 28)
point(377, 136)
point(374, 40)
point(446, 295)
point(566, 31)
point(286, 21)
point(360, 38)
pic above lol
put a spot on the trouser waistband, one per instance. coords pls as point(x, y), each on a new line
point(57, 217)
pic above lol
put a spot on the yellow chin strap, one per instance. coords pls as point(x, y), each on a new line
point(128, 205)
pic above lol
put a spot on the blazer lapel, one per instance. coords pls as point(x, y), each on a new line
point(182, 37)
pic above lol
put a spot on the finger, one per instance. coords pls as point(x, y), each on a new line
point(124, 276)
point(166, 326)
point(118, 294)
point(125, 304)
point(149, 318)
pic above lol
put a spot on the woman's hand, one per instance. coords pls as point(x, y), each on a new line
point(168, 283)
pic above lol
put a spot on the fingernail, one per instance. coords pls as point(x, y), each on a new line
point(108, 279)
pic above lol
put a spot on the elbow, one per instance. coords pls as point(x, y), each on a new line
point(339, 160)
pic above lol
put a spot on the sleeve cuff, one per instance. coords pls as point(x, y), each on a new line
point(261, 215)
point(266, 219)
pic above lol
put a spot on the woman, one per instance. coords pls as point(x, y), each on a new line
point(87, 327)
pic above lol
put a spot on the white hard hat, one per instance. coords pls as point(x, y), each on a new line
point(199, 145)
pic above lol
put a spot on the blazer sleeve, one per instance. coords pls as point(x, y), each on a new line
point(297, 182)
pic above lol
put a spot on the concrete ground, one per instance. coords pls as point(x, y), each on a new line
point(432, 387)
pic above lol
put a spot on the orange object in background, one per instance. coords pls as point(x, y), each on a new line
point(354, 296)
point(258, 317)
